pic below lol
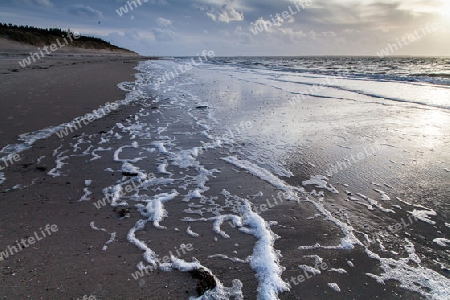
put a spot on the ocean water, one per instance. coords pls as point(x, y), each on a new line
point(411, 69)
point(357, 146)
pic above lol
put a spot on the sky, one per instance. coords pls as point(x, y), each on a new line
point(249, 27)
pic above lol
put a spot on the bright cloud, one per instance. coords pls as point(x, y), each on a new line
point(163, 22)
point(226, 13)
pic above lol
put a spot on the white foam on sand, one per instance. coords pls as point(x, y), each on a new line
point(265, 260)
point(114, 193)
point(218, 221)
point(317, 259)
point(149, 255)
point(186, 158)
point(291, 193)
point(131, 169)
point(191, 233)
point(162, 169)
point(309, 269)
point(334, 286)
point(442, 242)
point(111, 239)
point(383, 195)
point(160, 146)
point(86, 191)
point(321, 182)
point(233, 259)
point(220, 292)
point(55, 172)
point(375, 203)
point(403, 201)
point(411, 275)
point(120, 149)
point(347, 242)
point(340, 270)
point(424, 215)
point(95, 156)
point(154, 210)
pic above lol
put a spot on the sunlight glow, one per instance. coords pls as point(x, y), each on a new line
point(419, 7)
point(446, 9)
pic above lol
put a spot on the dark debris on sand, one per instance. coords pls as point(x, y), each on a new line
point(205, 281)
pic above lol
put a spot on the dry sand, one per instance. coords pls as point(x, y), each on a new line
point(49, 93)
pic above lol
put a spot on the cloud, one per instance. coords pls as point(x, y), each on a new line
point(158, 2)
point(84, 11)
point(328, 34)
point(421, 7)
point(177, 27)
point(292, 34)
point(164, 35)
point(241, 36)
point(226, 13)
point(45, 3)
point(163, 22)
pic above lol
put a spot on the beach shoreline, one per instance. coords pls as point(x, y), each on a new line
point(160, 147)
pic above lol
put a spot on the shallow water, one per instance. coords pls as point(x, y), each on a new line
point(375, 148)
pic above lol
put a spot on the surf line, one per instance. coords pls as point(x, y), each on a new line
point(262, 207)
point(183, 68)
point(117, 194)
point(301, 278)
point(393, 229)
point(164, 260)
point(110, 197)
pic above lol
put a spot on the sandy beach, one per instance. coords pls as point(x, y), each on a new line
point(58, 88)
point(196, 159)
point(70, 263)
point(225, 150)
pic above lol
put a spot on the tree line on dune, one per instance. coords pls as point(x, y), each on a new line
point(46, 36)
